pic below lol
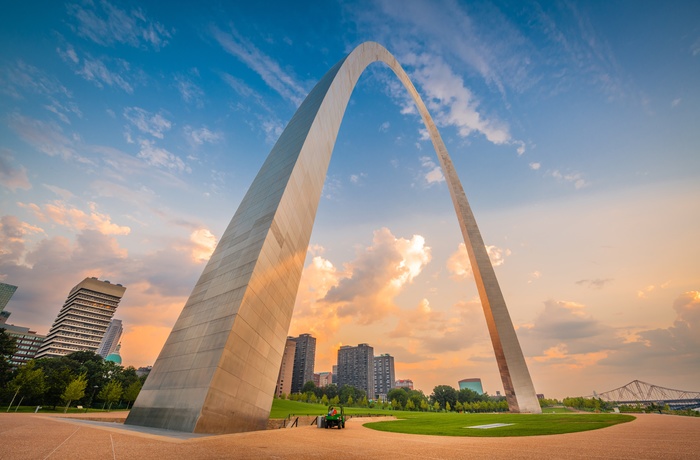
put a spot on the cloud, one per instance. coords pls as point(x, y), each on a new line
point(377, 275)
point(450, 101)
point(20, 77)
point(674, 349)
point(189, 91)
point(158, 282)
point(431, 331)
point(203, 244)
point(62, 214)
point(363, 291)
point(565, 334)
point(535, 166)
point(575, 178)
point(160, 157)
point(106, 24)
point(268, 69)
point(96, 71)
point(384, 127)
point(460, 267)
point(645, 291)
point(12, 177)
point(432, 173)
point(147, 122)
point(357, 179)
point(197, 137)
point(597, 283)
point(46, 137)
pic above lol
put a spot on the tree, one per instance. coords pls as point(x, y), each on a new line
point(75, 390)
point(335, 400)
point(111, 393)
point(29, 381)
point(309, 386)
point(442, 394)
point(8, 347)
point(447, 406)
point(324, 400)
point(410, 405)
point(350, 401)
point(59, 373)
point(424, 405)
point(459, 407)
point(132, 392)
point(436, 406)
point(398, 394)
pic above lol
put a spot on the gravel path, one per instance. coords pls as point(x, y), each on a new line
point(38, 436)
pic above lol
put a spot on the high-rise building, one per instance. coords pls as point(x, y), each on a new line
point(404, 383)
point(111, 339)
point(383, 375)
point(6, 292)
point(284, 379)
point(472, 384)
point(356, 367)
point(83, 320)
point(335, 374)
point(28, 343)
point(304, 360)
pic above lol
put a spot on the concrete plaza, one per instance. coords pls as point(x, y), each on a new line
point(30, 436)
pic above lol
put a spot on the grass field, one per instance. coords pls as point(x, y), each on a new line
point(554, 420)
point(281, 408)
point(452, 424)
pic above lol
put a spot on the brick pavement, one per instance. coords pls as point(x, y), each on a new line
point(38, 436)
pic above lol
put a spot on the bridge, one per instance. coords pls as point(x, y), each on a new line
point(638, 392)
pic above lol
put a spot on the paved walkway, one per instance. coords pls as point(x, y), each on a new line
point(30, 436)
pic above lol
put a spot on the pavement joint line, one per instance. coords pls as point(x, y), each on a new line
point(64, 441)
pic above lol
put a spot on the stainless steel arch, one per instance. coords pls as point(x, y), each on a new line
point(218, 368)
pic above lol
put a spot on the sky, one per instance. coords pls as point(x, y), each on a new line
point(130, 132)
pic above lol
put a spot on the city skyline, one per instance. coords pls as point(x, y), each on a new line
point(125, 129)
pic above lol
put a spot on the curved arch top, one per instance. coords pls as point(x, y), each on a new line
point(217, 370)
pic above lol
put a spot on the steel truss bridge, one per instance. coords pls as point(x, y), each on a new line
point(638, 392)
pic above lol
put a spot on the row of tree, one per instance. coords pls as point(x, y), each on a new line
point(444, 397)
point(81, 378)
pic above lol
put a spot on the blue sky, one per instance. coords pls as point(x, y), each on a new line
point(130, 133)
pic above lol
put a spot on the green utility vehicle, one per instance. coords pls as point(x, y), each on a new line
point(335, 417)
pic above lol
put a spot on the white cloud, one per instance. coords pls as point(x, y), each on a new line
point(189, 91)
point(96, 71)
point(20, 77)
point(432, 173)
point(106, 24)
point(384, 127)
point(575, 178)
point(268, 69)
point(146, 122)
point(365, 290)
point(676, 102)
point(357, 178)
point(450, 101)
point(199, 136)
point(460, 267)
point(203, 244)
point(535, 166)
point(160, 157)
point(45, 137)
point(12, 177)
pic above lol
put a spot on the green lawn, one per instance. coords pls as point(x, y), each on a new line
point(283, 407)
point(453, 424)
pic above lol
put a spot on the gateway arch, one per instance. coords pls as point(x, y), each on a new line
point(218, 368)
